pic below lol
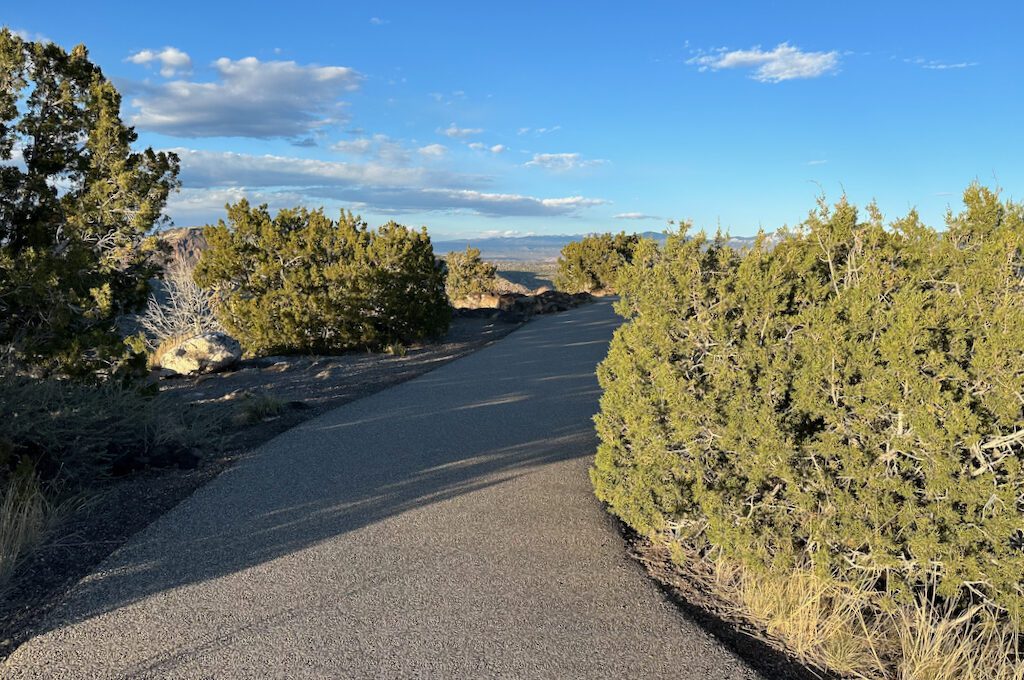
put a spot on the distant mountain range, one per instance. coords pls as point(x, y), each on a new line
point(542, 248)
point(190, 243)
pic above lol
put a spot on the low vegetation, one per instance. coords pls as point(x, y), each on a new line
point(594, 261)
point(467, 274)
point(841, 414)
point(302, 282)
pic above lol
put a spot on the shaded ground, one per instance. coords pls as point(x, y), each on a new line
point(304, 387)
point(530, 274)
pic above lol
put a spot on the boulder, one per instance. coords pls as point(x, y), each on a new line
point(204, 353)
point(478, 301)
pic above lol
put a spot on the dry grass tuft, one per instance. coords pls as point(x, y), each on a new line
point(25, 514)
point(850, 631)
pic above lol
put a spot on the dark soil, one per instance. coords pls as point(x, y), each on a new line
point(300, 387)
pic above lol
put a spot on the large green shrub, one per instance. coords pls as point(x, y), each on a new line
point(302, 282)
point(594, 261)
point(850, 400)
point(467, 274)
point(75, 205)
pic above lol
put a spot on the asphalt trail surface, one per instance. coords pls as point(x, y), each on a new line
point(443, 528)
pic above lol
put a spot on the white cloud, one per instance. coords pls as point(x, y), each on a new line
point(377, 21)
point(433, 150)
point(785, 62)
point(817, 162)
point(635, 216)
point(561, 162)
point(480, 146)
point(172, 60)
point(538, 131)
point(30, 36)
point(251, 98)
point(935, 65)
point(378, 147)
point(357, 147)
point(210, 176)
point(504, 233)
point(455, 132)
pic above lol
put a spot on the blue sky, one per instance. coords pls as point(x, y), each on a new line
point(478, 118)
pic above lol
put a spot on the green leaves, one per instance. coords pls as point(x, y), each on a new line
point(467, 274)
point(593, 262)
point(73, 211)
point(846, 399)
point(301, 282)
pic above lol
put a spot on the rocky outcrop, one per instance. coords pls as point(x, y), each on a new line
point(204, 353)
point(516, 308)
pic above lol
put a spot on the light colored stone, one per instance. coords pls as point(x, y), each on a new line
point(205, 353)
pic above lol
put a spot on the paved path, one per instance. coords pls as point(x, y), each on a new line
point(441, 528)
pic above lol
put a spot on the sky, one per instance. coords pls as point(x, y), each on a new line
point(481, 119)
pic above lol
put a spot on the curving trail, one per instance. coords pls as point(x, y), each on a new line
point(441, 528)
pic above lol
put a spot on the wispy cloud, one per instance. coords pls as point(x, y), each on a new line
point(377, 21)
point(936, 65)
point(538, 131)
point(561, 162)
point(172, 60)
point(433, 150)
point(785, 62)
point(480, 146)
point(817, 162)
point(455, 132)
point(30, 36)
point(250, 98)
point(635, 216)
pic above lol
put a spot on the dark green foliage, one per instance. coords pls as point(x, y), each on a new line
point(75, 205)
point(467, 274)
point(850, 400)
point(593, 262)
point(301, 282)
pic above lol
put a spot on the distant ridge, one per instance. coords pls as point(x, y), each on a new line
point(189, 242)
point(546, 248)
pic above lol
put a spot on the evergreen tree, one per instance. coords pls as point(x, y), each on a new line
point(75, 205)
point(467, 274)
point(301, 282)
point(848, 400)
point(594, 261)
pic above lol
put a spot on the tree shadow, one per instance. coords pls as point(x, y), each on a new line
point(476, 423)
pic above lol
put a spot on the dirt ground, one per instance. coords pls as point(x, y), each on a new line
point(288, 389)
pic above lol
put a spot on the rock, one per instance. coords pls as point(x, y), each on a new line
point(602, 292)
point(478, 301)
point(204, 353)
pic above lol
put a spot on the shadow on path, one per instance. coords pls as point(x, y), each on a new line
point(478, 422)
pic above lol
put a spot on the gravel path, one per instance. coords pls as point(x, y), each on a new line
point(444, 527)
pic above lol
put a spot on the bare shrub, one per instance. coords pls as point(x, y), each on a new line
point(182, 309)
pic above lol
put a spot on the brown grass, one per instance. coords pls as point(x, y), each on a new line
point(851, 630)
point(25, 514)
